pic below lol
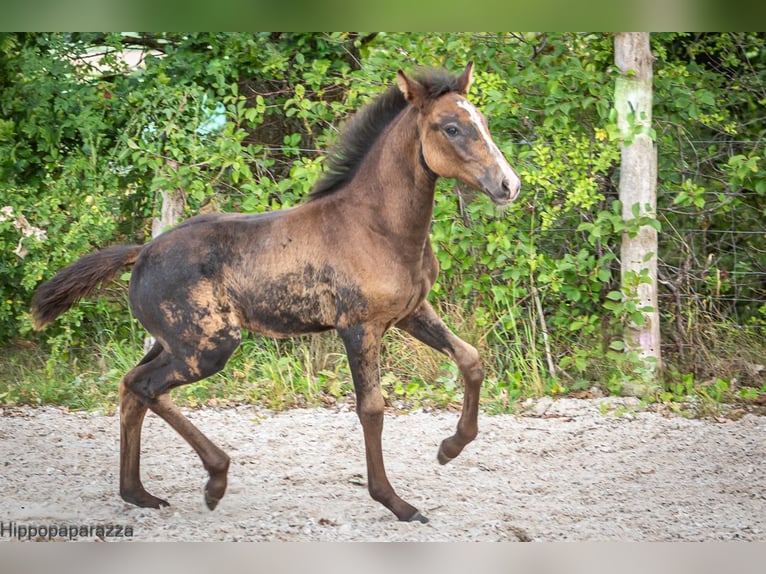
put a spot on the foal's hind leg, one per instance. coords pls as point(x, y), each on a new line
point(132, 412)
point(215, 461)
point(424, 324)
point(147, 386)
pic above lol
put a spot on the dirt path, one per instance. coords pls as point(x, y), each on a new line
point(562, 471)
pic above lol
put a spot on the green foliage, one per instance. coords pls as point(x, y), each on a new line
point(239, 122)
point(711, 173)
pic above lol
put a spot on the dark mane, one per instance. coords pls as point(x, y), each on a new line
point(362, 130)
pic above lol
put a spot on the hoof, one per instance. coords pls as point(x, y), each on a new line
point(417, 517)
point(211, 502)
point(442, 457)
point(214, 491)
point(144, 500)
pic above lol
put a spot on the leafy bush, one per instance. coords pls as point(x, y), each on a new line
point(239, 121)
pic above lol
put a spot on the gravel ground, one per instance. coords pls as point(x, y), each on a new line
point(562, 470)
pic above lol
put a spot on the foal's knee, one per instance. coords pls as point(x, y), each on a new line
point(369, 407)
point(469, 361)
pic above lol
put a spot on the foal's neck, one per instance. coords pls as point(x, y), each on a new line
point(401, 191)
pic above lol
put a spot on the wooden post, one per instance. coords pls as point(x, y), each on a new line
point(638, 189)
point(171, 213)
point(172, 207)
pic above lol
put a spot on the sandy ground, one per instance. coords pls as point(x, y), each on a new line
point(562, 470)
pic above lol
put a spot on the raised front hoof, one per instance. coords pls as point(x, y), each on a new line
point(210, 501)
point(144, 499)
point(442, 457)
point(447, 451)
point(452, 446)
point(214, 491)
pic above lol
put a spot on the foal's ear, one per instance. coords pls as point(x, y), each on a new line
point(466, 79)
point(413, 91)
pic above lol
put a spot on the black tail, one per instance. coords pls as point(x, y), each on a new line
point(79, 280)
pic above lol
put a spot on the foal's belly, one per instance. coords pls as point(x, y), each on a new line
point(281, 316)
point(293, 303)
point(313, 300)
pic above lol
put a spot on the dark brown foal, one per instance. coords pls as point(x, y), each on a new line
point(355, 258)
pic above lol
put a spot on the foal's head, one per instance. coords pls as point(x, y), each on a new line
point(455, 140)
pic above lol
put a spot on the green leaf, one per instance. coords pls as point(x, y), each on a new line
point(576, 325)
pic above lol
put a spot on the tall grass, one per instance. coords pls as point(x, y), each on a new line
point(313, 371)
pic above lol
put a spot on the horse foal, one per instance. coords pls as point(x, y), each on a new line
point(356, 257)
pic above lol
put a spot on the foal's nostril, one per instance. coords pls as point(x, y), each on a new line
point(506, 185)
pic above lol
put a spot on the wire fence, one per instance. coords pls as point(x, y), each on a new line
point(722, 268)
point(719, 265)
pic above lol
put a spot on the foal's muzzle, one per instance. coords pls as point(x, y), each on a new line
point(502, 189)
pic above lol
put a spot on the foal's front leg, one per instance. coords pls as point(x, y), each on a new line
point(363, 349)
point(424, 324)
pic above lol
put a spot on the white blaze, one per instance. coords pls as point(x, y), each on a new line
point(513, 180)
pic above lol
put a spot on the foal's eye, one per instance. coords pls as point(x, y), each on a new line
point(451, 131)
